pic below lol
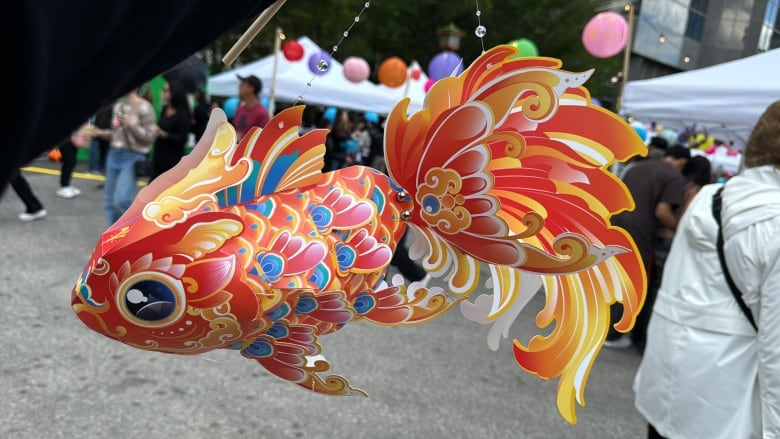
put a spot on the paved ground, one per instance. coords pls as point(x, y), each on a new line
point(439, 380)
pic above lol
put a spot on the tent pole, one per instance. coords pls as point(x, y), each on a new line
point(277, 47)
point(626, 55)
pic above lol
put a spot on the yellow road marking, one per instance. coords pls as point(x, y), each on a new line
point(81, 175)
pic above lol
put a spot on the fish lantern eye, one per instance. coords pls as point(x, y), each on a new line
point(151, 299)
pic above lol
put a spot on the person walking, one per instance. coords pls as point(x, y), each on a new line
point(80, 138)
point(33, 207)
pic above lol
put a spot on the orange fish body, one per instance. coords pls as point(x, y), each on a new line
point(251, 247)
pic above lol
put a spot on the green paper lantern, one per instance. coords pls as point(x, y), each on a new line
point(525, 47)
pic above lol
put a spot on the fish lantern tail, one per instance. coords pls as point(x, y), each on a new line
point(507, 165)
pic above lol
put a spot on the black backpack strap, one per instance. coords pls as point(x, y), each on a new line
point(716, 206)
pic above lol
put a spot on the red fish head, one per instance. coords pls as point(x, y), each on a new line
point(175, 290)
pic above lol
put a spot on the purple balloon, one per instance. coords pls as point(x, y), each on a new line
point(319, 62)
point(445, 64)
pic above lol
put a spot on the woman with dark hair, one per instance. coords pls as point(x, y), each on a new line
point(200, 114)
point(697, 173)
point(341, 147)
point(710, 368)
point(173, 129)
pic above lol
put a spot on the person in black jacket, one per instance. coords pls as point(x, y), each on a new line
point(173, 129)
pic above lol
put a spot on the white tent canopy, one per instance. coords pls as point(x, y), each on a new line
point(726, 100)
point(329, 89)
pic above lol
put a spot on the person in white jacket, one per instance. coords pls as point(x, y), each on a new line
point(706, 372)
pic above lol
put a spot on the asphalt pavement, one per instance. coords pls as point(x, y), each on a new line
point(437, 380)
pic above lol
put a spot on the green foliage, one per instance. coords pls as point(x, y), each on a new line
point(407, 28)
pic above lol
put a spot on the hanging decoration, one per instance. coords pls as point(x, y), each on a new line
point(356, 69)
point(392, 72)
point(445, 64)
point(415, 73)
point(319, 63)
point(335, 49)
point(605, 35)
point(292, 50)
point(247, 245)
point(525, 47)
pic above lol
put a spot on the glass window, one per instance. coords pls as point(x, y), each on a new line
point(733, 25)
point(695, 26)
point(699, 6)
point(770, 34)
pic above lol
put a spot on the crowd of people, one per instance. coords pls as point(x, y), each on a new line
point(123, 136)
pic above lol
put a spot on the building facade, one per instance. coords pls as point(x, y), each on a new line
point(676, 35)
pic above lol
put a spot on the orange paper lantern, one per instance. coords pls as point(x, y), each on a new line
point(392, 72)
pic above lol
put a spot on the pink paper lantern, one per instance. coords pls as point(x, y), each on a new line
point(605, 34)
point(356, 69)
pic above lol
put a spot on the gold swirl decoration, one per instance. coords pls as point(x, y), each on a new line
point(575, 250)
point(196, 190)
point(444, 185)
point(225, 328)
point(332, 385)
point(533, 222)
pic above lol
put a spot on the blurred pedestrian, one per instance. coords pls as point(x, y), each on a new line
point(710, 368)
point(68, 164)
point(341, 147)
point(81, 138)
point(98, 150)
point(697, 173)
point(200, 114)
point(173, 129)
point(33, 207)
point(132, 134)
point(361, 134)
point(657, 188)
point(250, 112)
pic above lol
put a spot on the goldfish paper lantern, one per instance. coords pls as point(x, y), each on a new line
point(246, 244)
point(356, 69)
point(319, 62)
point(525, 47)
point(292, 50)
point(445, 64)
point(605, 34)
point(392, 72)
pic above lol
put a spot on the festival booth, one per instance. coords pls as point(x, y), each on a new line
point(724, 100)
point(328, 88)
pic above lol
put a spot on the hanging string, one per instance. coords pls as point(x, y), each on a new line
point(323, 65)
point(481, 30)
